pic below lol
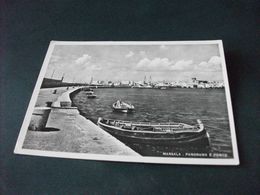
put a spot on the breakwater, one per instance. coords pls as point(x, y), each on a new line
point(67, 131)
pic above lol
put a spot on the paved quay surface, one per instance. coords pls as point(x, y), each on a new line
point(68, 131)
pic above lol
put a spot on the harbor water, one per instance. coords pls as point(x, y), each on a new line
point(155, 105)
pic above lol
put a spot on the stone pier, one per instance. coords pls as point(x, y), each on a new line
point(68, 131)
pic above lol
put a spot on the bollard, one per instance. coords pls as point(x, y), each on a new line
point(48, 104)
point(65, 104)
point(39, 118)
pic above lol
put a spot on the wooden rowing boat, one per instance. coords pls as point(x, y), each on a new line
point(163, 134)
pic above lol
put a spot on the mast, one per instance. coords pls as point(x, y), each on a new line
point(62, 77)
point(91, 80)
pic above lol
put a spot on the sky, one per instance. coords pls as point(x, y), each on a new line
point(133, 62)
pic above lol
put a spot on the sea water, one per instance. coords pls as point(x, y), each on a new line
point(176, 104)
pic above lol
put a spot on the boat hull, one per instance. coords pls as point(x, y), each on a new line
point(162, 144)
point(91, 96)
point(159, 139)
point(124, 109)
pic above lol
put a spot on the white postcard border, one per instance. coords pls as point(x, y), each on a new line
point(120, 158)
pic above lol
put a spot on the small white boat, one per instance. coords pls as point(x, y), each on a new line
point(163, 88)
point(90, 94)
point(120, 106)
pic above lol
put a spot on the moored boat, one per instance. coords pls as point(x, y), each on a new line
point(164, 87)
point(146, 87)
point(120, 106)
point(87, 89)
point(90, 94)
point(158, 134)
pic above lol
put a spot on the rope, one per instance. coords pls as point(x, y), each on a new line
point(213, 127)
point(204, 124)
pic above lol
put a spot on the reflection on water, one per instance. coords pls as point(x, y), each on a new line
point(154, 105)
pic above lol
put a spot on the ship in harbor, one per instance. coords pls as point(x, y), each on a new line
point(142, 86)
point(145, 84)
point(165, 135)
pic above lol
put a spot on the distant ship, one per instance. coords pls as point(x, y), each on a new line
point(142, 86)
point(146, 87)
point(164, 87)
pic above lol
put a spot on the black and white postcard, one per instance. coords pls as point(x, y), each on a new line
point(151, 102)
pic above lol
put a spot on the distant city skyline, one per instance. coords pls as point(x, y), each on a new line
point(134, 62)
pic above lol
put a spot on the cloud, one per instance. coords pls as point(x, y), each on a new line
point(142, 53)
point(83, 59)
point(130, 54)
point(182, 65)
point(216, 60)
point(213, 64)
point(163, 64)
point(154, 64)
point(55, 58)
point(95, 67)
point(163, 47)
point(78, 66)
